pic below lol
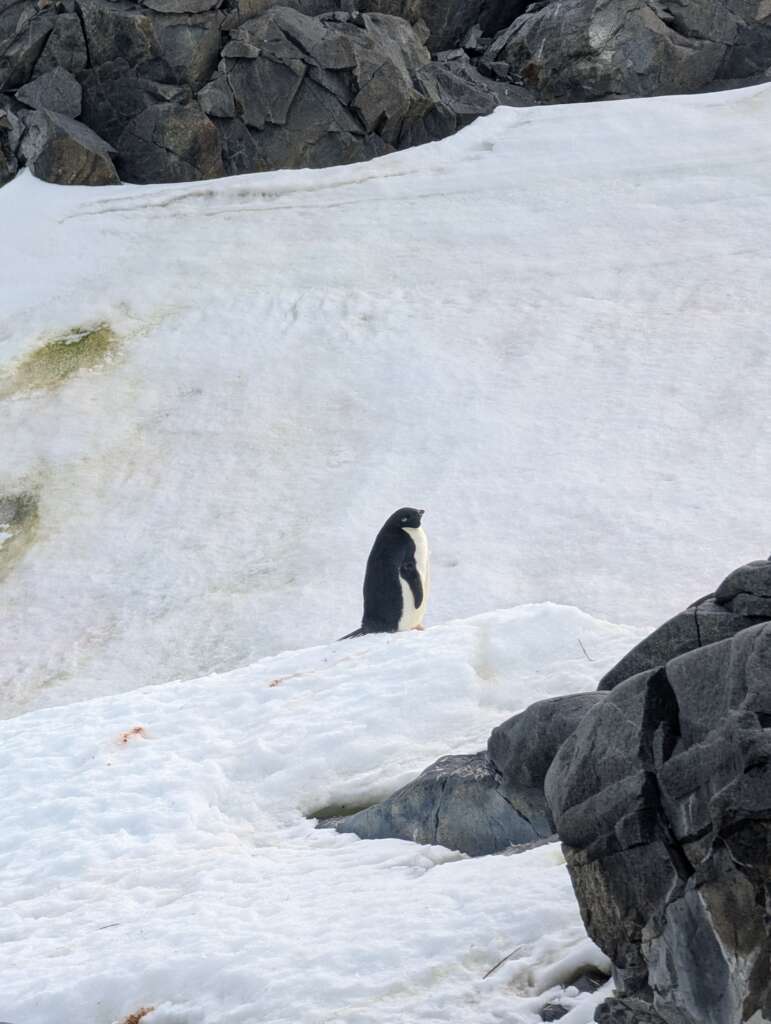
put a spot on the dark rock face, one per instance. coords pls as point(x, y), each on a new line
point(454, 803)
point(62, 150)
point(743, 599)
point(482, 803)
point(570, 50)
point(55, 90)
point(523, 748)
point(167, 48)
point(662, 798)
point(191, 89)
point(308, 83)
point(170, 142)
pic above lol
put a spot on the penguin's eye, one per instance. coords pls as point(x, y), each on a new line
point(405, 518)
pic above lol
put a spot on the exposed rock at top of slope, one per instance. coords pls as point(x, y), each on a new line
point(446, 22)
point(662, 797)
point(589, 49)
point(743, 599)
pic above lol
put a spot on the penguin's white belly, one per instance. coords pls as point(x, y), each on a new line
point(412, 616)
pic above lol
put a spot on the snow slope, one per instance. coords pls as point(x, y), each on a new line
point(551, 331)
point(155, 849)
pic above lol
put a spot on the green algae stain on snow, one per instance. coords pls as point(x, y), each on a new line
point(47, 367)
point(18, 525)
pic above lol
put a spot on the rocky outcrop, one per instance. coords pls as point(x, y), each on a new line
point(569, 50)
point(743, 599)
point(307, 83)
point(662, 798)
point(192, 89)
point(482, 803)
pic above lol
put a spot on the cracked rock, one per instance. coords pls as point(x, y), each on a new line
point(56, 90)
point(743, 599)
point(114, 94)
point(23, 33)
point(591, 49)
point(166, 48)
point(522, 748)
point(65, 47)
point(170, 142)
point(64, 151)
point(662, 798)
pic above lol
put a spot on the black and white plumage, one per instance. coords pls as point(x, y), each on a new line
point(396, 582)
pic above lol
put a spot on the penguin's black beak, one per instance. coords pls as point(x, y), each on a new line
point(421, 511)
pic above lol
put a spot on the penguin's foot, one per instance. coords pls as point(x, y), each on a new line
point(420, 627)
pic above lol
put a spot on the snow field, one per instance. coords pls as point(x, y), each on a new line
point(155, 849)
point(550, 331)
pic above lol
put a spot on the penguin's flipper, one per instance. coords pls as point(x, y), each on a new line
point(361, 631)
point(409, 573)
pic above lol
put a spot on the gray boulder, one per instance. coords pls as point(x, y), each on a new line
point(58, 149)
point(522, 749)
point(743, 599)
point(23, 33)
point(114, 94)
point(169, 48)
point(56, 90)
point(170, 142)
point(662, 798)
point(65, 47)
point(592, 49)
point(456, 803)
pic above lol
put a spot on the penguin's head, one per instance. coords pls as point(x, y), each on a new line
point(408, 518)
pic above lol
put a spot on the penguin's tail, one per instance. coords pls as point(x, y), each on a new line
point(361, 631)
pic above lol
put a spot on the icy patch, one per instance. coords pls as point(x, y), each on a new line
point(154, 850)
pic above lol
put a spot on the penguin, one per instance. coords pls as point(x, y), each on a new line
point(396, 581)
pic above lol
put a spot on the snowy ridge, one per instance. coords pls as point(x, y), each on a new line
point(156, 850)
point(549, 330)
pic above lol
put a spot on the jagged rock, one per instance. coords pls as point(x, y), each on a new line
point(324, 90)
point(23, 34)
point(522, 748)
point(662, 798)
point(56, 90)
point(65, 47)
point(246, 10)
point(181, 6)
point(170, 142)
point(167, 48)
point(114, 94)
point(66, 152)
point(743, 599)
point(447, 22)
point(216, 98)
point(458, 95)
point(455, 803)
point(590, 49)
